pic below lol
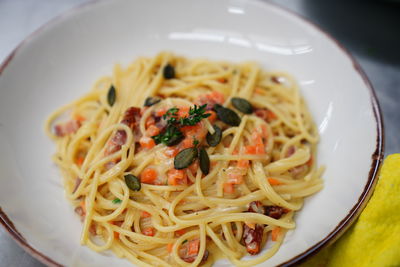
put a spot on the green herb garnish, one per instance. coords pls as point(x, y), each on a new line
point(170, 137)
point(184, 241)
point(116, 201)
point(196, 114)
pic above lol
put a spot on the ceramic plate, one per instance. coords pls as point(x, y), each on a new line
point(61, 61)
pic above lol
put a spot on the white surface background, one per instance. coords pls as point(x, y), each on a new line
point(19, 18)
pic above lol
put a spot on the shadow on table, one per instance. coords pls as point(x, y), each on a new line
point(371, 28)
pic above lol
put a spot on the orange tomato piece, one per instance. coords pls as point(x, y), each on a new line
point(229, 188)
point(145, 214)
point(273, 181)
point(275, 233)
point(79, 118)
point(180, 232)
point(243, 163)
point(176, 177)
point(147, 142)
point(79, 161)
point(161, 112)
point(148, 176)
point(213, 115)
point(193, 247)
point(251, 150)
point(152, 130)
point(170, 247)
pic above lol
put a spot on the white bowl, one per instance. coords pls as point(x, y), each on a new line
point(61, 61)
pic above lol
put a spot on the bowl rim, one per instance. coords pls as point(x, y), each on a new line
point(376, 157)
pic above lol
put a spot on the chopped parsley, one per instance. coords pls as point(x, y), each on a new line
point(116, 201)
point(196, 114)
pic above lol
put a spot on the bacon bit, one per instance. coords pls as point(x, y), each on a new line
point(275, 79)
point(229, 188)
point(115, 143)
point(252, 238)
point(265, 114)
point(193, 247)
point(256, 207)
point(275, 212)
point(148, 176)
point(79, 211)
point(149, 231)
point(273, 181)
point(170, 247)
point(67, 128)
point(147, 142)
point(191, 259)
point(152, 130)
point(145, 214)
point(291, 150)
point(180, 232)
point(176, 177)
point(77, 184)
point(171, 152)
point(131, 117)
point(276, 232)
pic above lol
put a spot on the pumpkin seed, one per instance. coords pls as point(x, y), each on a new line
point(215, 138)
point(111, 96)
point(204, 161)
point(227, 115)
point(132, 182)
point(151, 101)
point(242, 105)
point(184, 158)
point(169, 72)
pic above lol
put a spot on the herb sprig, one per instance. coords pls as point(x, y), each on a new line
point(172, 134)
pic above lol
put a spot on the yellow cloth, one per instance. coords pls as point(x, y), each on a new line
point(374, 239)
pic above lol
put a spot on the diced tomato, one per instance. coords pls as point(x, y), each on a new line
point(275, 233)
point(273, 181)
point(147, 142)
point(170, 247)
point(83, 206)
point(193, 167)
point(176, 177)
point(79, 161)
point(193, 247)
point(243, 163)
point(310, 161)
point(79, 118)
point(148, 176)
point(265, 114)
point(116, 235)
point(171, 152)
point(235, 175)
point(183, 112)
point(180, 232)
point(211, 99)
point(251, 150)
point(150, 121)
point(229, 188)
point(152, 130)
point(145, 214)
point(161, 112)
point(187, 142)
point(149, 231)
point(213, 115)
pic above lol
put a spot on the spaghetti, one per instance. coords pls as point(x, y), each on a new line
point(177, 162)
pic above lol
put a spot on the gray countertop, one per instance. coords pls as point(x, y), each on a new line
point(368, 29)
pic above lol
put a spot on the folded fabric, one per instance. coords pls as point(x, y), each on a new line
point(374, 239)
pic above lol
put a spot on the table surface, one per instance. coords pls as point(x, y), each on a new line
point(368, 29)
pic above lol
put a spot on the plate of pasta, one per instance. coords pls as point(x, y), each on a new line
point(141, 135)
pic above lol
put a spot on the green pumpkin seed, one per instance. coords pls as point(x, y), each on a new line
point(242, 105)
point(204, 161)
point(184, 158)
point(169, 72)
point(151, 101)
point(215, 138)
point(227, 115)
point(132, 182)
point(111, 96)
